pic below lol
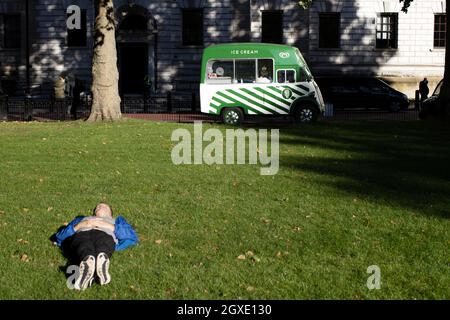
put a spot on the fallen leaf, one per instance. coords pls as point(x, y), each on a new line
point(250, 288)
point(158, 241)
point(249, 254)
point(24, 258)
point(241, 257)
point(298, 229)
point(279, 254)
point(23, 241)
point(49, 209)
point(25, 209)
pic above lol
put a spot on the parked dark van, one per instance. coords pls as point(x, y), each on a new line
point(361, 93)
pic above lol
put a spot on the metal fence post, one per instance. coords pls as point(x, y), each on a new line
point(28, 112)
point(169, 101)
point(193, 101)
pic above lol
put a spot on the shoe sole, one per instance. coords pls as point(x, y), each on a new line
point(103, 269)
point(85, 278)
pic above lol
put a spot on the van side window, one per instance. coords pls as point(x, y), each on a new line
point(281, 76)
point(219, 72)
point(245, 71)
point(265, 71)
point(290, 76)
point(286, 76)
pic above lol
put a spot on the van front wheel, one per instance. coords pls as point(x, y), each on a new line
point(305, 114)
point(232, 116)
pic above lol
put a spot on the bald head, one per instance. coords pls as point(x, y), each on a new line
point(102, 210)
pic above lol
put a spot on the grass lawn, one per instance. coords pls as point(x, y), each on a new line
point(348, 195)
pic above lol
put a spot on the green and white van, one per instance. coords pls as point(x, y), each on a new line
point(239, 79)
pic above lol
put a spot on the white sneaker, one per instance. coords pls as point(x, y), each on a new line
point(86, 274)
point(103, 269)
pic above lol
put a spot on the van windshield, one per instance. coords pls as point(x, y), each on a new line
point(305, 66)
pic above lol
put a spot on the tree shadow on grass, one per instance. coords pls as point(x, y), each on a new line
point(404, 164)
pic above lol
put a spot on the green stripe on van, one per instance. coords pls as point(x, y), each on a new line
point(276, 105)
point(218, 100)
point(274, 96)
point(238, 103)
point(295, 91)
point(303, 87)
point(253, 94)
point(256, 103)
point(275, 89)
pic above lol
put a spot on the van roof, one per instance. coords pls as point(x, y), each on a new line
point(283, 54)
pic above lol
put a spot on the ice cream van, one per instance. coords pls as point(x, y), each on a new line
point(239, 79)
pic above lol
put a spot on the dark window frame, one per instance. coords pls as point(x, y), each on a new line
point(388, 31)
point(15, 42)
point(284, 76)
point(78, 38)
point(264, 36)
point(324, 35)
point(440, 27)
point(186, 39)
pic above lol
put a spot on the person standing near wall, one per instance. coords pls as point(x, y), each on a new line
point(423, 89)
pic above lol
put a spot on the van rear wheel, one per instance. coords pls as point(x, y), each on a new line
point(305, 114)
point(232, 116)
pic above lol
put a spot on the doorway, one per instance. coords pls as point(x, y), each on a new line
point(133, 68)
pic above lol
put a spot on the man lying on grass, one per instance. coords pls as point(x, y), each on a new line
point(91, 241)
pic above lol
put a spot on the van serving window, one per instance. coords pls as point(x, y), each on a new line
point(240, 71)
point(245, 71)
point(265, 71)
point(220, 71)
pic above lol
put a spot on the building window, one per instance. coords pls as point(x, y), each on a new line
point(272, 27)
point(440, 25)
point(329, 30)
point(78, 37)
point(12, 31)
point(387, 30)
point(192, 27)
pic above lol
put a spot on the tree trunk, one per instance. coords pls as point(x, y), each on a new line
point(444, 95)
point(105, 76)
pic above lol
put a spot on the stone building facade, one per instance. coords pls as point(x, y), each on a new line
point(160, 42)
